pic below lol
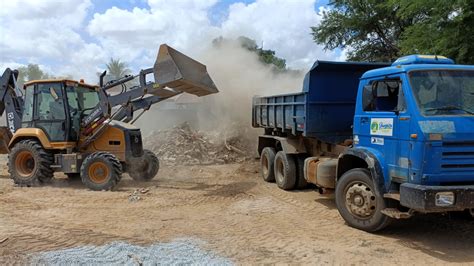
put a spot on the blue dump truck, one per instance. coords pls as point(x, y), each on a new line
point(389, 140)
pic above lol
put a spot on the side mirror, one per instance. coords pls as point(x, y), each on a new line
point(368, 98)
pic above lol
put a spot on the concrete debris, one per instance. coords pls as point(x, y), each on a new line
point(182, 145)
point(177, 252)
point(135, 195)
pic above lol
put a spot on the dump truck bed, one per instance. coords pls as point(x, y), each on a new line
point(325, 107)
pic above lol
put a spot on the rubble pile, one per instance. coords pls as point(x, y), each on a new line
point(184, 145)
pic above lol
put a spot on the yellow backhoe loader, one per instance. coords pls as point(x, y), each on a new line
point(85, 130)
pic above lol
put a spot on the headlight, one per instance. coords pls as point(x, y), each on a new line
point(444, 199)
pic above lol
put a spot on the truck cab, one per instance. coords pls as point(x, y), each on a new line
point(415, 119)
point(390, 140)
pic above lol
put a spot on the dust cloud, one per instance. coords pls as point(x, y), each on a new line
point(239, 75)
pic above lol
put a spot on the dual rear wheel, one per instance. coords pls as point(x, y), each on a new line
point(357, 200)
point(284, 169)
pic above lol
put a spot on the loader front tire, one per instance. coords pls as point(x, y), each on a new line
point(101, 171)
point(29, 164)
point(144, 168)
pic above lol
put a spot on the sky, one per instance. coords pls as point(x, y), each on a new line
point(78, 37)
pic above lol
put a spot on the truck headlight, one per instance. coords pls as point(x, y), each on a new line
point(444, 199)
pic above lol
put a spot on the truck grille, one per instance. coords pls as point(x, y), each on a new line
point(457, 156)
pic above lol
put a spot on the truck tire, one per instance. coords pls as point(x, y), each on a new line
point(101, 171)
point(285, 170)
point(146, 168)
point(358, 203)
point(29, 164)
point(267, 159)
point(301, 183)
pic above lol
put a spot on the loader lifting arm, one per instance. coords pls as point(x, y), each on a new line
point(173, 73)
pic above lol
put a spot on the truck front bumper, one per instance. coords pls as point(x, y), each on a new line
point(436, 198)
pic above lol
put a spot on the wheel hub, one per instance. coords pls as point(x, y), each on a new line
point(25, 163)
point(98, 172)
point(279, 170)
point(265, 166)
point(360, 200)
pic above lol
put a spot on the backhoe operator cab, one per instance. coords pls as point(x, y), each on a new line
point(52, 131)
point(54, 106)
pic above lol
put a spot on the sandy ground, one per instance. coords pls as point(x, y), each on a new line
point(236, 215)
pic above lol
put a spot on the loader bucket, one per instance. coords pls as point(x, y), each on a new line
point(182, 73)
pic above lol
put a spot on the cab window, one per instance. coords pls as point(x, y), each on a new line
point(28, 111)
point(384, 96)
point(50, 102)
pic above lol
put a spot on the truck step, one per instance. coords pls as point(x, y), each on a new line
point(397, 214)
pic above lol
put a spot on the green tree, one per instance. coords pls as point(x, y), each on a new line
point(443, 27)
point(116, 69)
point(370, 29)
point(377, 30)
point(31, 72)
point(265, 56)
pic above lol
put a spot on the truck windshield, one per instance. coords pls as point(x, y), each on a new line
point(444, 92)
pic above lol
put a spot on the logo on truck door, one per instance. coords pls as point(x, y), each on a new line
point(381, 126)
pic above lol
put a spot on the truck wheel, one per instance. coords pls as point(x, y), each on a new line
point(29, 163)
point(285, 170)
point(145, 168)
point(101, 171)
point(267, 159)
point(301, 183)
point(358, 203)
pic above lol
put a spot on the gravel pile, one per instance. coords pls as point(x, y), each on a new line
point(179, 252)
point(185, 146)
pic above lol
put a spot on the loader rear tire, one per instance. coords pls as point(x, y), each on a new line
point(29, 164)
point(101, 171)
point(145, 168)
point(267, 159)
point(285, 170)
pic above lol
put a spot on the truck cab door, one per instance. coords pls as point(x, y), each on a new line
point(383, 122)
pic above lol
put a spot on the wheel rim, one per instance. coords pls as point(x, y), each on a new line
point(25, 163)
point(98, 172)
point(265, 165)
point(360, 200)
point(279, 170)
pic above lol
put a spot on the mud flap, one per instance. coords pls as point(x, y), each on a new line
point(179, 72)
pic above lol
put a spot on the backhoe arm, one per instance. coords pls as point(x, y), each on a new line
point(11, 99)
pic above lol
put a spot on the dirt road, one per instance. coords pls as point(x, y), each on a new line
point(229, 208)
